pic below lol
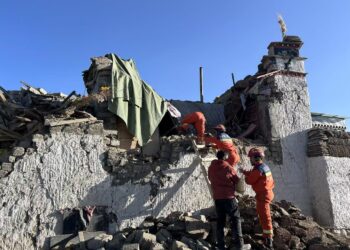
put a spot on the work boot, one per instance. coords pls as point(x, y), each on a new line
point(269, 243)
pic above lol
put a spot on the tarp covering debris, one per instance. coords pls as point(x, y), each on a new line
point(134, 101)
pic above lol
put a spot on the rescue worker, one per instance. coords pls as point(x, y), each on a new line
point(224, 142)
point(260, 178)
point(223, 179)
point(196, 119)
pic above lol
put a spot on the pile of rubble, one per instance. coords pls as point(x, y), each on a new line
point(196, 231)
point(31, 111)
point(322, 142)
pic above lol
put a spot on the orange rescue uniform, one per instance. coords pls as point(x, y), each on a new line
point(198, 121)
point(224, 142)
point(262, 183)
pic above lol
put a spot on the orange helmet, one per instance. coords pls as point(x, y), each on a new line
point(256, 153)
point(220, 127)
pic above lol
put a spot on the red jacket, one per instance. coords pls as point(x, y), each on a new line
point(223, 179)
point(260, 178)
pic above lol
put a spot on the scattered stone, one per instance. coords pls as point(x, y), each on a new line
point(163, 236)
point(197, 228)
point(5, 166)
point(99, 241)
point(12, 159)
point(18, 151)
point(117, 241)
point(134, 246)
point(178, 245)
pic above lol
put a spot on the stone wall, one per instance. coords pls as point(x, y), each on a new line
point(66, 170)
point(286, 113)
point(330, 190)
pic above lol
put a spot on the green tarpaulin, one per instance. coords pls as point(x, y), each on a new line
point(134, 101)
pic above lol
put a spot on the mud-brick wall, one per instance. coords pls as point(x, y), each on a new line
point(66, 169)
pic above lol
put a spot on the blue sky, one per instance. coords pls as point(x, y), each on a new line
point(49, 43)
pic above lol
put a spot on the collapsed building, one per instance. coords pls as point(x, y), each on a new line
point(109, 161)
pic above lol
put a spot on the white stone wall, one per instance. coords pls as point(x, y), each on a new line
point(66, 172)
point(290, 118)
point(330, 190)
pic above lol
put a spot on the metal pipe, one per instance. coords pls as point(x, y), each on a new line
point(201, 84)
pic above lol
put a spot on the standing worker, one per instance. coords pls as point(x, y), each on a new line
point(260, 178)
point(223, 179)
point(197, 119)
point(224, 142)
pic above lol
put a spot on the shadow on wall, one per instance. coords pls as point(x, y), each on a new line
point(131, 202)
point(291, 177)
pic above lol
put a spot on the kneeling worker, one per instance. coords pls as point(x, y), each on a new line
point(196, 119)
point(223, 179)
point(260, 178)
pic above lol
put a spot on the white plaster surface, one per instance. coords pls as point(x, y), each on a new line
point(330, 189)
point(66, 172)
point(290, 119)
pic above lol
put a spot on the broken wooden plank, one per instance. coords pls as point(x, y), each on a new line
point(268, 74)
point(2, 97)
point(30, 88)
point(23, 119)
point(54, 122)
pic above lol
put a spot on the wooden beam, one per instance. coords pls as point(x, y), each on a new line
point(53, 122)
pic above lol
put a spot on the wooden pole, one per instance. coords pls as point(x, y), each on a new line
point(201, 84)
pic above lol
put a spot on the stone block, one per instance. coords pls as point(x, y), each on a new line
point(189, 242)
point(163, 236)
point(99, 241)
point(18, 151)
point(3, 173)
point(134, 246)
point(95, 129)
point(5, 166)
point(178, 245)
point(12, 159)
point(147, 241)
point(283, 234)
point(158, 246)
point(115, 143)
point(294, 242)
point(197, 228)
point(117, 241)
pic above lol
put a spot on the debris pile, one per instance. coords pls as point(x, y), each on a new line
point(324, 142)
point(31, 111)
point(196, 231)
point(27, 111)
